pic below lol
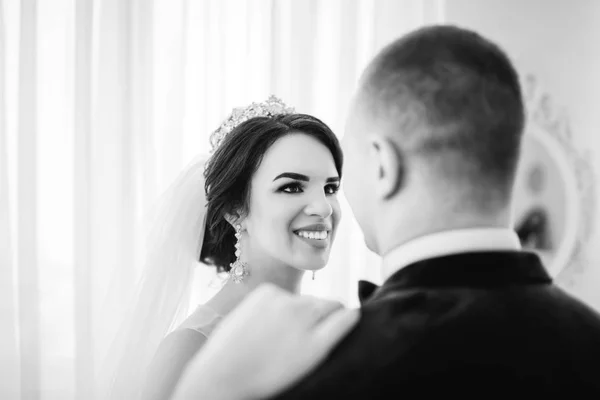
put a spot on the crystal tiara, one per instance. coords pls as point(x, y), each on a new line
point(273, 106)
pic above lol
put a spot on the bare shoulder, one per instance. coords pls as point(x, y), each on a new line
point(182, 342)
point(174, 353)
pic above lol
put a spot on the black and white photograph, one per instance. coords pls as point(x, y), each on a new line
point(299, 199)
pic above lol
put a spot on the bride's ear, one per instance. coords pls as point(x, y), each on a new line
point(234, 219)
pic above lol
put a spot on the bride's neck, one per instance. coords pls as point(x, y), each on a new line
point(232, 293)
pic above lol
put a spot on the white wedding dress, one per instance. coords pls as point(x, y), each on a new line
point(203, 320)
point(175, 352)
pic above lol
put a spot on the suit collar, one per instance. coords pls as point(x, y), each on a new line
point(449, 242)
point(484, 270)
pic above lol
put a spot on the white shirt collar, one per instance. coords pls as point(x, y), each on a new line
point(446, 243)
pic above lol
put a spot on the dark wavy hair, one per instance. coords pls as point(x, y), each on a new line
point(230, 169)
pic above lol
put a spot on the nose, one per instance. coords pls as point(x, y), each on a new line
point(319, 206)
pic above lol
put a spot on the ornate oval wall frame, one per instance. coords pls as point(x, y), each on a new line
point(554, 191)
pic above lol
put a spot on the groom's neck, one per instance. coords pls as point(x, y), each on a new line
point(402, 230)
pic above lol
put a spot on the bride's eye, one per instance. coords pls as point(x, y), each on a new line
point(332, 189)
point(292, 188)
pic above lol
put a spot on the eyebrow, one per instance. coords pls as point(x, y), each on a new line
point(301, 177)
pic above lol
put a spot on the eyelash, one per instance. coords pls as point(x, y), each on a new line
point(296, 185)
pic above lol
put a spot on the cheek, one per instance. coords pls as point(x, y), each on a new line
point(273, 219)
point(353, 187)
point(354, 175)
point(336, 210)
point(357, 190)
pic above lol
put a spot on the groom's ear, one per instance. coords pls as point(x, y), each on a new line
point(390, 165)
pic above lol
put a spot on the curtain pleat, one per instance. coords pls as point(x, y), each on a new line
point(82, 276)
point(9, 349)
point(27, 216)
point(146, 83)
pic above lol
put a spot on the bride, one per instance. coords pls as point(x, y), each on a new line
point(261, 208)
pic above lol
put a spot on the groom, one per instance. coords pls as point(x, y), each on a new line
point(432, 145)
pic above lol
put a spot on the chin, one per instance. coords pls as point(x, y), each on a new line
point(370, 243)
point(312, 264)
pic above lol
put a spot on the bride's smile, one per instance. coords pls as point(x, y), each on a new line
point(262, 208)
point(294, 209)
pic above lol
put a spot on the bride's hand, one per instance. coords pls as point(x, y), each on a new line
point(269, 342)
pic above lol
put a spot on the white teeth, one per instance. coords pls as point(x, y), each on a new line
point(320, 235)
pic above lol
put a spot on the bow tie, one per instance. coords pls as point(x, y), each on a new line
point(366, 290)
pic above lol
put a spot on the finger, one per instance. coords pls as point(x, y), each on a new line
point(334, 328)
point(325, 336)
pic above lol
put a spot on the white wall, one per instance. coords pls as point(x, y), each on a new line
point(559, 42)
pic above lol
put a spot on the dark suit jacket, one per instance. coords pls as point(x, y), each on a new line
point(474, 325)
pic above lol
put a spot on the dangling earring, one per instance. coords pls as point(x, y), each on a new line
point(238, 269)
point(313, 278)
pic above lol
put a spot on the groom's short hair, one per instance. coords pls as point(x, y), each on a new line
point(449, 94)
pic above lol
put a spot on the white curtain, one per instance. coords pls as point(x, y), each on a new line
point(101, 104)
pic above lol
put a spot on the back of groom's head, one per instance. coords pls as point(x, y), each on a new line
point(451, 99)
